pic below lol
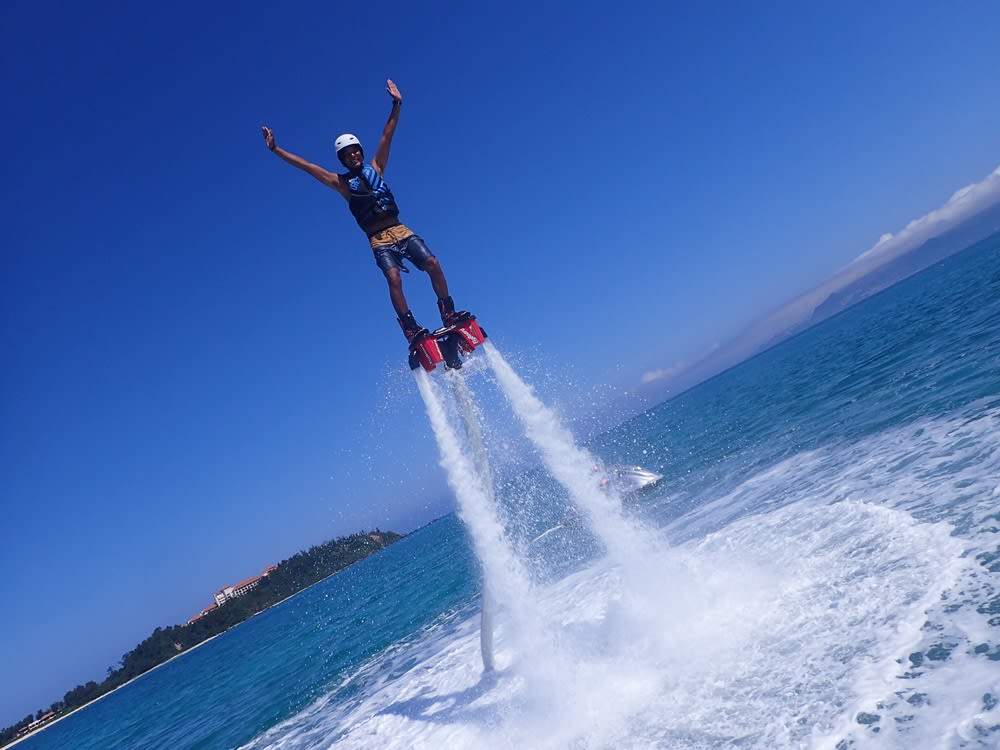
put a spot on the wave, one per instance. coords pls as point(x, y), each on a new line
point(845, 595)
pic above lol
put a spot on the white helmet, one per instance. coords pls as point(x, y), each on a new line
point(345, 140)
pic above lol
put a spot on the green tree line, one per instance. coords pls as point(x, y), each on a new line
point(290, 576)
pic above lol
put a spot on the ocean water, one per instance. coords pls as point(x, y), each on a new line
point(819, 568)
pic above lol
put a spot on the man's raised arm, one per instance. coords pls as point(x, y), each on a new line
point(328, 178)
point(381, 158)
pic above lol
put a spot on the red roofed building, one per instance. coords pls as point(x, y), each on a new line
point(239, 589)
point(244, 586)
point(204, 612)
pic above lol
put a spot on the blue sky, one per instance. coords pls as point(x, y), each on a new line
point(202, 374)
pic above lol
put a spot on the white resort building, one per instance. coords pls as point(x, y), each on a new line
point(226, 593)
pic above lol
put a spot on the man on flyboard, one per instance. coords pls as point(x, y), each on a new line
point(374, 207)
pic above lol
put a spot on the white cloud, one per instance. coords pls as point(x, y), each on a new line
point(652, 376)
point(649, 377)
point(963, 204)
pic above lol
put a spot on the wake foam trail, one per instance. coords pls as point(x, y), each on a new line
point(626, 543)
point(505, 576)
point(845, 599)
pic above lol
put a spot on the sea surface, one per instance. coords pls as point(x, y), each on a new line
point(818, 568)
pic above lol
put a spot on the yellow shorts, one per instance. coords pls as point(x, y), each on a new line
point(390, 236)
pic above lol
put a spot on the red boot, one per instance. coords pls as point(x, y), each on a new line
point(446, 306)
point(411, 329)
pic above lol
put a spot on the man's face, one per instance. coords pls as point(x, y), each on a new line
point(352, 157)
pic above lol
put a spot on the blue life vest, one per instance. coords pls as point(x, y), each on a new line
point(371, 201)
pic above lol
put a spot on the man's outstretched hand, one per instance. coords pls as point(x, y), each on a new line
point(269, 136)
point(393, 91)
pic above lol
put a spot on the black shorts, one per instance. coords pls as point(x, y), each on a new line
point(411, 248)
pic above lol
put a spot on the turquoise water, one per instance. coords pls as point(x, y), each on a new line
point(825, 575)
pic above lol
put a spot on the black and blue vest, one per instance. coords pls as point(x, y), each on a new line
point(371, 201)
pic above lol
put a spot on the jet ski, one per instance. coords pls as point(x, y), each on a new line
point(626, 479)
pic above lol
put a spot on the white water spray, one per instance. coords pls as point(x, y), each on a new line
point(470, 417)
point(630, 546)
point(505, 576)
point(573, 467)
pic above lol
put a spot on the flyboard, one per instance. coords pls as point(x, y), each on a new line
point(446, 346)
